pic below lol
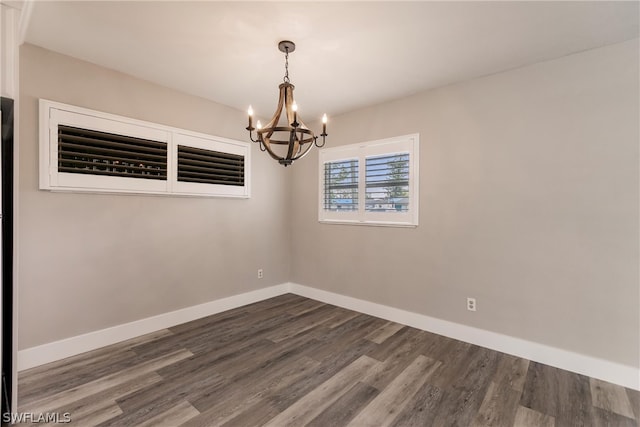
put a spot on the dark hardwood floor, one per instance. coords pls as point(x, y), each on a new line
point(292, 361)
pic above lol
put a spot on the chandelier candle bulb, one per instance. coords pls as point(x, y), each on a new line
point(324, 125)
point(250, 112)
point(294, 107)
point(259, 125)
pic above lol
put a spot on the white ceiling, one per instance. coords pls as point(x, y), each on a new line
point(349, 54)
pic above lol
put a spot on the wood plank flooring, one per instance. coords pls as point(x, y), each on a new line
point(292, 361)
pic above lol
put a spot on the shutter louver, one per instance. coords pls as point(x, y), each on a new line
point(387, 183)
point(341, 185)
point(210, 167)
point(85, 151)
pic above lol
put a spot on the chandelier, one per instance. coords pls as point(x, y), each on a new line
point(286, 138)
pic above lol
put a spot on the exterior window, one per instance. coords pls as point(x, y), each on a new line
point(374, 183)
point(83, 150)
point(387, 183)
point(341, 185)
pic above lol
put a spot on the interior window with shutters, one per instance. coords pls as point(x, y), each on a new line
point(373, 183)
point(84, 150)
point(92, 152)
point(209, 167)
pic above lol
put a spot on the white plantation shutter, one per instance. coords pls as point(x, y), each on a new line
point(209, 167)
point(90, 152)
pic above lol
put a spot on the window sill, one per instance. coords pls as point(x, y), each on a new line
point(369, 223)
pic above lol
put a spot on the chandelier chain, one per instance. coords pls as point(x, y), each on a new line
point(286, 66)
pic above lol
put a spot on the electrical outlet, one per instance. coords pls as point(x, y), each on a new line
point(260, 273)
point(471, 304)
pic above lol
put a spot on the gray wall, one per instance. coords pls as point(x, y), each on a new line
point(89, 261)
point(528, 202)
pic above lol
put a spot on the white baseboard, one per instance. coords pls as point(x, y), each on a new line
point(616, 373)
point(57, 350)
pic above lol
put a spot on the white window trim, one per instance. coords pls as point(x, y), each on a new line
point(54, 113)
point(401, 144)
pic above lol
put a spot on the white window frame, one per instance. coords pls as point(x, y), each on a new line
point(402, 144)
point(54, 113)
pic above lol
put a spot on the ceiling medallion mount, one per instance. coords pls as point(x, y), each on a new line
point(286, 46)
point(286, 138)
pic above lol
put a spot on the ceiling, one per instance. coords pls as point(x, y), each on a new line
point(348, 55)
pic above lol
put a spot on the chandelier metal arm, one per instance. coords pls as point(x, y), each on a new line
point(251, 129)
point(324, 136)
